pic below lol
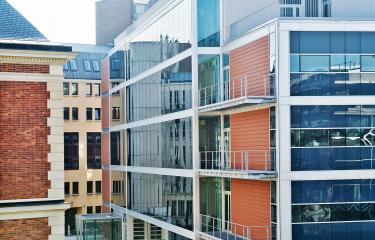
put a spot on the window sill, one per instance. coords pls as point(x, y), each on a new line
point(90, 194)
point(74, 194)
point(117, 120)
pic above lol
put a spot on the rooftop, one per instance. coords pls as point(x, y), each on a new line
point(13, 25)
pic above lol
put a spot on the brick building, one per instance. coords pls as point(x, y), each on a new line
point(31, 130)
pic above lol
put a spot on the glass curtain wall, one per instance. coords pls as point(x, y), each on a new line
point(167, 198)
point(332, 63)
point(165, 38)
point(167, 91)
point(332, 137)
point(333, 210)
point(162, 145)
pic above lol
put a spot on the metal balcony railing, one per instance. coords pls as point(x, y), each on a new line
point(251, 160)
point(232, 231)
point(244, 87)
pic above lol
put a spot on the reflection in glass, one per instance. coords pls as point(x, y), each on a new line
point(162, 145)
point(167, 91)
point(165, 38)
point(209, 79)
point(314, 63)
point(167, 198)
point(208, 23)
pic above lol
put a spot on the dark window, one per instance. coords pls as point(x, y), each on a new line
point(88, 113)
point(97, 113)
point(98, 209)
point(90, 187)
point(97, 89)
point(98, 187)
point(114, 84)
point(95, 66)
point(71, 159)
point(75, 113)
point(75, 188)
point(89, 210)
point(66, 88)
point(67, 188)
point(75, 89)
point(66, 113)
point(116, 187)
point(88, 89)
point(87, 65)
point(115, 113)
point(73, 65)
point(115, 148)
point(94, 151)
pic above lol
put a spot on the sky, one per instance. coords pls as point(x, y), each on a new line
point(61, 21)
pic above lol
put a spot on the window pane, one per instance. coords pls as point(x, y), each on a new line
point(208, 23)
point(315, 63)
point(88, 89)
point(314, 42)
point(368, 63)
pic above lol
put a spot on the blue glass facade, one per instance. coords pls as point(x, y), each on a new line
point(332, 63)
point(208, 23)
point(341, 209)
point(332, 137)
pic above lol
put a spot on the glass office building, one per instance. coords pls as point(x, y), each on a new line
point(252, 120)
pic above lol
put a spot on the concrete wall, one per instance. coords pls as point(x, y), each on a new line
point(112, 18)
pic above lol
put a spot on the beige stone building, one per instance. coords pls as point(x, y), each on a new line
point(82, 133)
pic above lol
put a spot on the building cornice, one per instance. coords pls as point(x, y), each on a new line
point(30, 56)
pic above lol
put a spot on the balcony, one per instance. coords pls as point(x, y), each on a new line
point(252, 164)
point(237, 93)
point(214, 228)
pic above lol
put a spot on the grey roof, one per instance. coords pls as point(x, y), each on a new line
point(89, 53)
point(15, 26)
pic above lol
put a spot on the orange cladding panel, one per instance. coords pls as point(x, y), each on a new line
point(251, 62)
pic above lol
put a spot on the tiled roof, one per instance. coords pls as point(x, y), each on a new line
point(15, 26)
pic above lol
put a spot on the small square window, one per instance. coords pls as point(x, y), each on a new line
point(66, 88)
point(67, 188)
point(97, 113)
point(75, 89)
point(88, 89)
point(98, 187)
point(66, 113)
point(95, 66)
point(75, 113)
point(98, 209)
point(87, 65)
point(116, 187)
point(73, 65)
point(115, 113)
point(75, 188)
point(114, 84)
point(88, 113)
point(90, 187)
point(97, 89)
point(89, 209)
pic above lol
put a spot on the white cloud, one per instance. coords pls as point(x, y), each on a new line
point(69, 21)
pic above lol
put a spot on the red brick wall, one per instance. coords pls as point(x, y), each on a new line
point(25, 229)
point(251, 205)
point(106, 113)
point(106, 190)
point(24, 68)
point(251, 60)
point(105, 75)
point(23, 140)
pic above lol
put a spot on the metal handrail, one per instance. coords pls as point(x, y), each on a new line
point(229, 230)
point(249, 160)
point(237, 88)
